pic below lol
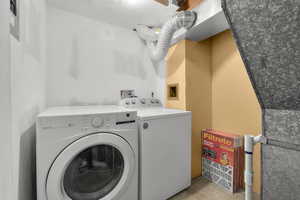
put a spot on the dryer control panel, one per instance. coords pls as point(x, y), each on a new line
point(140, 102)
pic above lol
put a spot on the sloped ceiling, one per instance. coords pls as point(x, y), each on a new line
point(268, 36)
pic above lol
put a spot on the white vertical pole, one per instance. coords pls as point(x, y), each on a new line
point(248, 166)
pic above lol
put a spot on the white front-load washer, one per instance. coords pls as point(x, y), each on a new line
point(165, 148)
point(87, 153)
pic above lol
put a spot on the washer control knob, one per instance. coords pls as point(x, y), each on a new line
point(145, 125)
point(143, 101)
point(97, 122)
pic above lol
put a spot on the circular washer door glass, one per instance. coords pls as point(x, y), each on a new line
point(93, 173)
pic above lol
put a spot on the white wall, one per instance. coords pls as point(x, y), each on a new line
point(89, 62)
point(27, 93)
point(5, 105)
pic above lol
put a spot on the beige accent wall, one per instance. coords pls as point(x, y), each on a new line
point(188, 65)
point(164, 2)
point(190, 4)
point(235, 107)
point(198, 79)
point(176, 69)
point(214, 85)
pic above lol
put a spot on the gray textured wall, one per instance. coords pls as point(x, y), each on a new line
point(268, 36)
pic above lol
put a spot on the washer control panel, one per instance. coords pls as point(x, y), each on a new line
point(91, 122)
point(140, 102)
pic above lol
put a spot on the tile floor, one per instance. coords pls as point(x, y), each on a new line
point(202, 189)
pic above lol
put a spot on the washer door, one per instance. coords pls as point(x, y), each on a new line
point(96, 167)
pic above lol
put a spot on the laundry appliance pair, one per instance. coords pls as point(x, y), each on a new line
point(93, 152)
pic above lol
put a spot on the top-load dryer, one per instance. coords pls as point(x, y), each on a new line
point(87, 153)
point(165, 148)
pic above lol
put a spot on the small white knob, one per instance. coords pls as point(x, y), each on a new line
point(97, 122)
point(143, 101)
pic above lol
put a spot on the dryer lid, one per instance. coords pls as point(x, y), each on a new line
point(158, 113)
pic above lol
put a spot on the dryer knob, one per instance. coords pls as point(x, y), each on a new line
point(143, 101)
point(145, 125)
point(97, 122)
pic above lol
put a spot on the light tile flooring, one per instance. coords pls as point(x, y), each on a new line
point(202, 189)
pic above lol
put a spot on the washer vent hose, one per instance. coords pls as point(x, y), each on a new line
point(160, 47)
